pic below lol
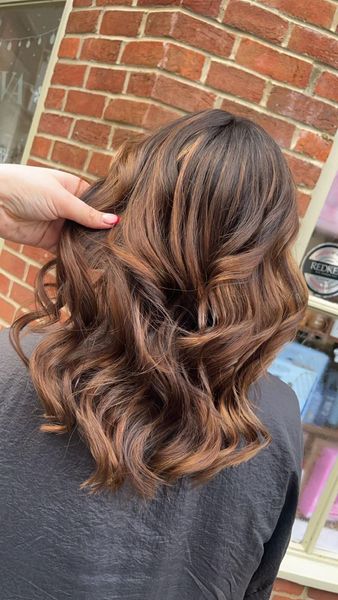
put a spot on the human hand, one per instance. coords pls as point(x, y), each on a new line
point(35, 201)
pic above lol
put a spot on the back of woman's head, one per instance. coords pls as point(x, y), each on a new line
point(177, 310)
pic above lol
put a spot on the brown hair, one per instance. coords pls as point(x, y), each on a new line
point(177, 310)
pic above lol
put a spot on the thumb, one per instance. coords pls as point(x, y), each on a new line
point(71, 207)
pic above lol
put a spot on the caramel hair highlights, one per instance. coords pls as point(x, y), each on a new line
point(177, 310)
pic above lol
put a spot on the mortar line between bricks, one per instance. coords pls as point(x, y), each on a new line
point(87, 161)
point(142, 26)
point(240, 36)
point(315, 74)
point(234, 50)
point(4, 323)
point(119, 55)
point(288, 35)
point(211, 21)
point(294, 139)
point(308, 159)
point(223, 95)
point(222, 8)
point(266, 93)
point(223, 61)
point(25, 272)
point(335, 21)
point(205, 69)
point(86, 75)
point(99, 20)
point(126, 83)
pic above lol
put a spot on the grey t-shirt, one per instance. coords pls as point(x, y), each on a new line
point(221, 541)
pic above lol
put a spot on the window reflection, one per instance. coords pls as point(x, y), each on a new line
point(27, 35)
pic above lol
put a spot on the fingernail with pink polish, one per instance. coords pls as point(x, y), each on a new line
point(110, 219)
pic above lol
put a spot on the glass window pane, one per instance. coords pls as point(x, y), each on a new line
point(310, 366)
point(27, 35)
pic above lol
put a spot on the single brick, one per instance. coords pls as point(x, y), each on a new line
point(272, 63)
point(12, 264)
point(55, 124)
point(40, 146)
point(305, 173)
point(69, 155)
point(99, 164)
point(7, 310)
point(54, 98)
point(183, 61)
point(88, 132)
point(143, 53)
point(141, 84)
point(126, 111)
point(69, 47)
point(158, 115)
point(315, 44)
point(304, 109)
point(181, 95)
point(327, 86)
point(83, 21)
point(281, 131)
point(255, 19)
point(235, 81)
point(318, 12)
point(184, 28)
point(314, 145)
point(85, 103)
point(65, 74)
point(118, 22)
point(108, 80)
point(101, 50)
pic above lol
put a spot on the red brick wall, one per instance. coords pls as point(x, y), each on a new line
point(285, 590)
point(127, 66)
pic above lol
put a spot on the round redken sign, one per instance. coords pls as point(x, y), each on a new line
point(320, 268)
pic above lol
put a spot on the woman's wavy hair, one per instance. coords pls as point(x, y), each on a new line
point(173, 313)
